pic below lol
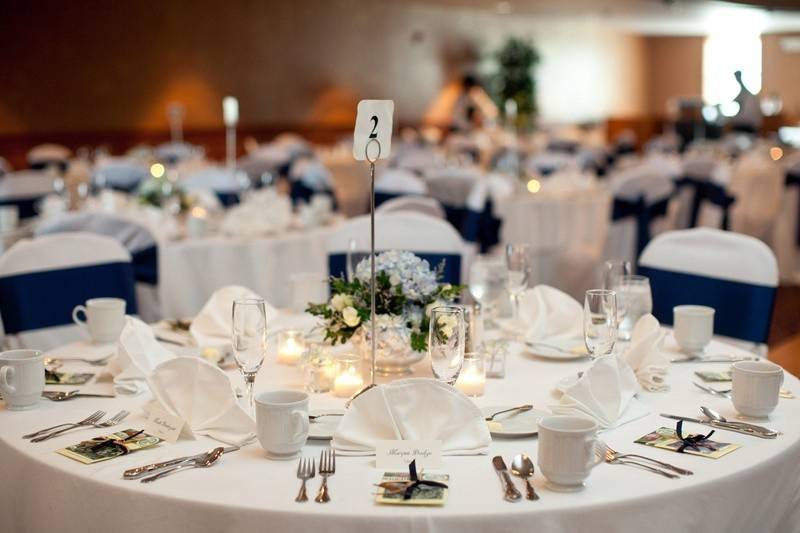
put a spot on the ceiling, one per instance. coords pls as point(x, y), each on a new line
point(657, 17)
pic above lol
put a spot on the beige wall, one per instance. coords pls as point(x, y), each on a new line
point(674, 69)
point(116, 65)
point(781, 74)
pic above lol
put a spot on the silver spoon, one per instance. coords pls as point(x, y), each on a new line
point(521, 409)
point(522, 466)
point(209, 459)
point(714, 415)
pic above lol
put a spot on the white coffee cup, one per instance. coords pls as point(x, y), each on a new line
point(693, 327)
point(567, 451)
point(105, 318)
point(9, 217)
point(282, 422)
point(21, 378)
point(756, 387)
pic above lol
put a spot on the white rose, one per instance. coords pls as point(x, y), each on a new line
point(430, 306)
point(350, 316)
point(394, 279)
point(340, 301)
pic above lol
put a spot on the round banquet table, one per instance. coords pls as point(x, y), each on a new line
point(259, 263)
point(755, 488)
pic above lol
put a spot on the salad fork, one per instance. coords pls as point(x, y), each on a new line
point(327, 467)
point(97, 415)
point(610, 458)
point(617, 455)
point(113, 421)
point(305, 471)
point(94, 362)
point(715, 392)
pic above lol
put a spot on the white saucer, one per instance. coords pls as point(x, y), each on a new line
point(515, 423)
point(324, 428)
point(558, 349)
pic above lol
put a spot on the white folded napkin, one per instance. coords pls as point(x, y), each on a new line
point(605, 392)
point(212, 326)
point(138, 353)
point(547, 314)
point(645, 357)
point(264, 213)
point(202, 395)
point(412, 409)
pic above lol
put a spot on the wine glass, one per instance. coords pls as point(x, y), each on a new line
point(517, 261)
point(600, 321)
point(634, 300)
point(249, 339)
point(446, 342)
point(613, 270)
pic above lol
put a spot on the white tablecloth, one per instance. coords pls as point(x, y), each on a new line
point(191, 270)
point(756, 488)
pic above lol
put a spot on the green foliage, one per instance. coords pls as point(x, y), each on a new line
point(514, 79)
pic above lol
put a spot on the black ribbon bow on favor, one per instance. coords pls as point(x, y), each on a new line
point(115, 443)
point(414, 483)
point(694, 442)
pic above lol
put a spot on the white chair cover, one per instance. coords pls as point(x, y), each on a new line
point(122, 173)
point(784, 236)
point(215, 178)
point(419, 204)
point(398, 181)
point(45, 154)
point(311, 173)
point(758, 184)
point(175, 152)
point(27, 184)
point(54, 253)
point(452, 185)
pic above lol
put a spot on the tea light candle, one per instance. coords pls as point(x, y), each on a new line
point(197, 223)
point(290, 347)
point(472, 380)
point(348, 378)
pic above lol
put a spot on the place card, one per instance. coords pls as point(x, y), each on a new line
point(399, 454)
point(165, 426)
point(374, 121)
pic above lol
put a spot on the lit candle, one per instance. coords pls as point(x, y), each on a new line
point(197, 223)
point(348, 378)
point(230, 111)
point(472, 380)
point(290, 347)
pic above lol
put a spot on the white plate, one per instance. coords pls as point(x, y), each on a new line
point(323, 428)
point(515, 423)
point(561, 349)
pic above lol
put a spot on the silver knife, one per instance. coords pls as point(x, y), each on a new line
point(714, 359)
point(510, 491)
point(141, 471)
point(738, 427)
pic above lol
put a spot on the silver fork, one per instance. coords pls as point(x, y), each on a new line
point(97, 415)
point(113, 421)
point(94, 362)
point(305, 471)
point(609, 458)
point(327, 467)
point(715, 392)
point(617, 455)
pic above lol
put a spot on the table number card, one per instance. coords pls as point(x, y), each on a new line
point(398, 454)
point(374, 121)
point(165, 426)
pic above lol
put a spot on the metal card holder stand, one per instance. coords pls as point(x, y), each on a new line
point(372, 319)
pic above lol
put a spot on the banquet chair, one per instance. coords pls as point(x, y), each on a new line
point(173, 153)
point(307, 177)
point(25, 189)
point(785, 237)
point(417, 159)
point(735, 274)
point(134, 237)
point(43, 279)
point(49, 156)
point(429, 238)
point(394, 182)
point(451, 186)
point(758, 183)
point(119, 173)
point(226, 185)
point(413, 203)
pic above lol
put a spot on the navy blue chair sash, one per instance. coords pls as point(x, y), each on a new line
point(793, 180)
point(743, 310)
point(227, 199)
point(145, 265)
point(26, 206)
point(381, 197)
point(644, 214)
point(706, 190)
point(45, 299)
point(301, 192)
point(337, 264)
point(481, 227)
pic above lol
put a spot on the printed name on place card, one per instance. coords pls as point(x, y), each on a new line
point(397, 454)
point(165, 426)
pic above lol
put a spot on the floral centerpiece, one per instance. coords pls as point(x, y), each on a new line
point(159, 191)
point(406, 289)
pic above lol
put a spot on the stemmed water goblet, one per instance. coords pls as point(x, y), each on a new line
point(446, 340)
point(600, 322)
point(249, 339)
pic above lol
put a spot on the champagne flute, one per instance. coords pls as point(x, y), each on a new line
point(446, 342)
point(613, 270)
point(517, 260)
point(600, 322)
point(249, 339)
point(479, 280)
